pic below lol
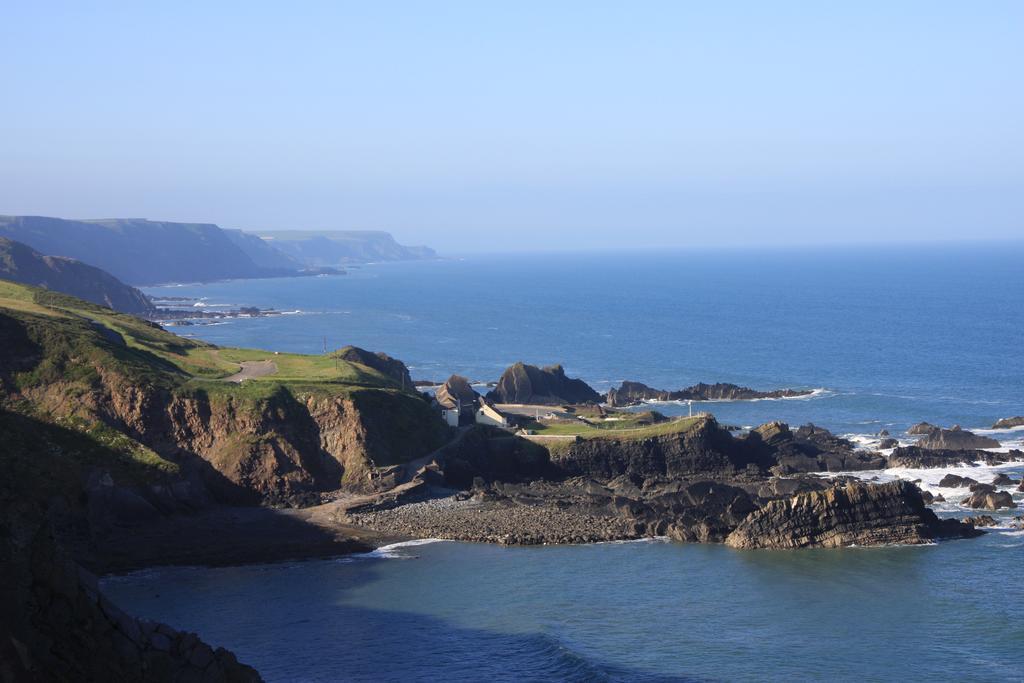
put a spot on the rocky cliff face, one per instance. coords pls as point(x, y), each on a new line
point(633, 393)
point(704, 450)
point(266, 443)
point(59, 489)
point(522, 383)
point(21, 263)
point(854, 514)
point(58, 626)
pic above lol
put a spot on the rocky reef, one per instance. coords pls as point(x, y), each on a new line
point(634, 393)
point(915, 457)
point(954, 438)
point(1009, 422)
point(522, 383)
point(852, 514)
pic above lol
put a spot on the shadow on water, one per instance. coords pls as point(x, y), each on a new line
point(296, 631)
point(606, 612)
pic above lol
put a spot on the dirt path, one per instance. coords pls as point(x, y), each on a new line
point(252, 369)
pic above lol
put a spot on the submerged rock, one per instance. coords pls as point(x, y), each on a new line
point(1003, 479)
point(1009, 422)
point(854, 514)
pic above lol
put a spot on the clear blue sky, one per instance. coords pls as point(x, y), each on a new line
point(489, 126)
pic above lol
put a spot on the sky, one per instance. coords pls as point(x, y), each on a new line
point(490, 126)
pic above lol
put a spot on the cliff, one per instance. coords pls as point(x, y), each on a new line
point(703, 449)
point(328, 425)
point(633, 393)
point(522, 383)
point(852, 514)
point(23, 264)
point(56, 625)
point(316, 249)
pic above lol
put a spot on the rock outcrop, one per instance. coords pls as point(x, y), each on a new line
point(813, 449)
point(522, 383)
point(704, 450)
point(853, 514)
point(456, 391)
point(633, 393)
point(988, 499)
point(915, 457)
point(954, 481)
point(955, 439)
point(379, 361)
point(1009, 422)
point(921, 428)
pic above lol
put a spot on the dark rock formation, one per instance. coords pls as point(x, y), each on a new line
point(379, 361)
point(919, 458)
point(955, 439)
point(456, 391)
point(704, 450)
point(888, 443)
point(492, 454)
point(21, 263)
point(521, 383)
point(633, 393)
point(981, 520)
point(853, 514)
point(983, 499)
point(921, 428)
point(812, 449)
point(1009, 422)
point(58, 626)
point(1003, 479)
point(953, 481)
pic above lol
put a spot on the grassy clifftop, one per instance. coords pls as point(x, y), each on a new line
point(302, 422)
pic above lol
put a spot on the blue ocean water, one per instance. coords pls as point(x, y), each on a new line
point(892, 336)
point(646, 611)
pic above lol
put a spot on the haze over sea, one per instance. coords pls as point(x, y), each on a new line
point(891, 335)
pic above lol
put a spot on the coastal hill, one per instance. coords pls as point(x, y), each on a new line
point(23, 264)
point(144, 252)
point(316, 249)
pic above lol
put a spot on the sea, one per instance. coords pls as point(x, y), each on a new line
point(885, 337)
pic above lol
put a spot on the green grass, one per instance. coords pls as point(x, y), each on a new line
point(625, 429)
point(66, 328)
